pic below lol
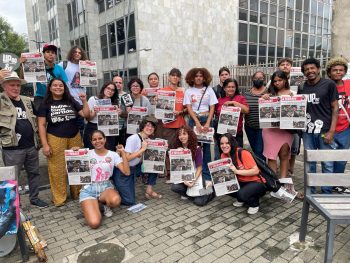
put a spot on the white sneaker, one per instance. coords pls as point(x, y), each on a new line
point(238, 204)
point(253, 210)
point(184, 197)
point(107, 212)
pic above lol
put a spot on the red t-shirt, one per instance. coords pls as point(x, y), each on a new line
point(239, 99)
point(344, 98)
point(179, 98)
point(248, 163)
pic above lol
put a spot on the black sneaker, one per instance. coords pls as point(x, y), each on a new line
point(39, 203)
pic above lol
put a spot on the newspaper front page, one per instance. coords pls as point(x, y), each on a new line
point(134, 119)
point(224, 180)
point(127, 100)
point(228, 120)
point(181, 165)
point(154, 156)
point(152, 97)
point(102, 102)
point(207, 137)
point(108, 119)
point(269, 112)
point(293, 112)
point(296, 78)
point(165, 105)
point(78, 166)
point(88, 73)
point(34, 67)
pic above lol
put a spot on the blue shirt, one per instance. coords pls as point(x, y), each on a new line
point(41, 86)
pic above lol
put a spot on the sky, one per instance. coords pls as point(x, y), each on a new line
point(14, 13)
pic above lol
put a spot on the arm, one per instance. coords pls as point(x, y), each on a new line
point(246, 172)
point(193, 116)
point(85, 112)
point(328, 136)
point(130, 156)
point(210, 117)
point(43, 136)
point(244, 108)
point(123, 166)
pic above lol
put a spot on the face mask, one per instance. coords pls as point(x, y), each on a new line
point(258, 83)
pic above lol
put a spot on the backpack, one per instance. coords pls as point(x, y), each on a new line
point(64, 65)
point(272, 183)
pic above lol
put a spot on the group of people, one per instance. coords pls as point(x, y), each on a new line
point(61, 117)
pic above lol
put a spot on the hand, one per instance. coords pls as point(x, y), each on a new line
point(82, 96)
point(199, 127)
point(177, 113)
point(119, 111)
point(4, 73)
point(75, 148)
point(144, 145)
point(206, 127)
point(96, 109)
point(208, 184)
point(128, 109)
point(328, 137)
point(189, 183)
point(22, 60)
point(47, 151)
point(233, 169)
point(120, 149)
point(229, 103)
point(265, 96)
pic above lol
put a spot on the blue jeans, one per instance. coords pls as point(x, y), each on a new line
point(255, 140)
point(126, 184)
point(206, 148)
point(342, 140)
point(314, 141)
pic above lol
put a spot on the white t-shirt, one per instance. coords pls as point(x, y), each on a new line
point(133, 144)
point(194, 95)
point(72, 72)
point(92, 103)
point(102, 166)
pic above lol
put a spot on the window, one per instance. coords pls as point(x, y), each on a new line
point(242, 60)
point(297, 40)
point(280, 38)
point(112, 40)
point(243, 4)
point(262, 51)
point(297, 19)
point(253, 33)
point(253, 50)
point(254, 4)
point(70, 22)
point(299, 4)
point(271, 51)
point(242, 49)
point(306, 5)
point(253, 16)
point(121, 36)
point(74, 13)
point(243, 32)
point(52, 29)
point(101, 6)
point(304, 41)
point(264, 7)
point(104, 42)
point(243, 14)
point(49, 4)
point(272, 36)
point(35, 13)
point(263, 35)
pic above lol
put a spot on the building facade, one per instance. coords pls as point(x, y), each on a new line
point(136, 37)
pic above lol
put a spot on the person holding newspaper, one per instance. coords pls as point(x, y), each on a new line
point(233, 98)
point(135, 86)
point(101, 190)
point(187, 139)
point(58, 132)
point(135, 146)
point(252, 185)
point(108, 91)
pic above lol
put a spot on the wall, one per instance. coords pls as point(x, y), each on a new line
point(340, 28)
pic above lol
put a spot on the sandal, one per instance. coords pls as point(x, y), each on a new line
point(300, 196)
point(153, 195)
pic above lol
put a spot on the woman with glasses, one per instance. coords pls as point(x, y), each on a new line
point(135, 85)
point(108, 91)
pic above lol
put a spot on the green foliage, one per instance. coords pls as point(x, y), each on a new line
point(10, 41)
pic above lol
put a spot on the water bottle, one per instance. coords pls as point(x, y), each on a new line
point(333, 144)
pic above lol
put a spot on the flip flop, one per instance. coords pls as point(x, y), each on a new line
point(153, 195)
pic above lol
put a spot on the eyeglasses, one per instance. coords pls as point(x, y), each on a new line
point(135, 86)
point(110, 89)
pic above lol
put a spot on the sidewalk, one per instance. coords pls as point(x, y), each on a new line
point(173, 230)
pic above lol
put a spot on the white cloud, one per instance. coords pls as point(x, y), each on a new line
point(14, 13)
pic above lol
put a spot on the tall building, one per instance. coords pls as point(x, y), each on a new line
point(136, 37)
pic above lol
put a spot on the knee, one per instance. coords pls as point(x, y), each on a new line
point(115, 202)
point(94, 223)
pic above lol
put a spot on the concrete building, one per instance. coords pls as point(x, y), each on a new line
point(164, 34)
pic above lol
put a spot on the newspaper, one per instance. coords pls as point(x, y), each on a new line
point(228, 120)
point(181, 165)
point(296, 78)
point(207, 137)
point(101, 102)
point(293, 112)
point(287, 191)
point(137, 208)
point(165, 105)
point(107, 119)
point(88, 73)
point(78, 166)
point(154, 156)
point(134, 119)
point(152, 97)
point(224, 180)
point(269, 112)
point(127, 100)
point(34, 67)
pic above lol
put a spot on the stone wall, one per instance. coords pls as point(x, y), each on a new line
point(340, 28)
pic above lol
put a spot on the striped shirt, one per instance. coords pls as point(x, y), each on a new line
point(252, 118)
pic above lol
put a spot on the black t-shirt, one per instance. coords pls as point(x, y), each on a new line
point(61, 118)
point(319, 99)
point(24, 130)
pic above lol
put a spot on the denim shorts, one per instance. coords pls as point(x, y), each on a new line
point(94, 190)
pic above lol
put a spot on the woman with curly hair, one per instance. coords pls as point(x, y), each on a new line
point(200, 101)
point(108, 91)
point(187, 139)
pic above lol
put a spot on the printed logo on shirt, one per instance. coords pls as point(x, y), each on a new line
point(21, 114)
point(61, 113)
point(76, 81)
point(108, 159)
point(311, 98)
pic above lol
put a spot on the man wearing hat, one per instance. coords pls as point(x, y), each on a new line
point(19, 133)
point(52, 71)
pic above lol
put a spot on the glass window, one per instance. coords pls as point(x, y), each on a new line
point(305, 23)
point(273, 10)
point(242, 49)
point(121, 48)
point(131, 44)
point(133, 72)
point(253, 34)
point(313, 7)
point(242, 60)
point(288, 52)
point(263, 19)
point(104, 41)
point(243, 4)
point(281, 12)
point(131, 32)
point(253, 50)
point(272, 36)
point(106, 76)
point(262, 51)
point(318, 43)
point(243, 14)
point(263, 35)
point(70, 22)
point(280, 38)
point(306, 5)
point(112, 40)
point(289, 38)
point(271, 51)
point(326, 11)
point(297, 53)
point(272, 21)
point(290, 3)
point(254, 5)
point(253, 16)
point(262, 60)
point(304, 41)
point(74, 12)
point(243, 32)
point(320, 9)
point(109, 3)
point(101, 6)
point(280, 52)
point(281, 22)
point(297, 40)
point(299, 4)
point(264, 7)
point(252, 60)
point(120, 30)
point(311, 53)
point(282, 2)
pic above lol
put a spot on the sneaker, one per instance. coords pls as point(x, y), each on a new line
point(39, 203)
point(346, 190)
point(238, 204)
point(26, 188)
point(184, 197)
point(253, 210)
point(107, 212)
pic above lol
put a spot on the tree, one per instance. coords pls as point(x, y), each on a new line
point(10, 41)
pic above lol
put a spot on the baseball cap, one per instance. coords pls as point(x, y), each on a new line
point(49, 47)
point(12, 76)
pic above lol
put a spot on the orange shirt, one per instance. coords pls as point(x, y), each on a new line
point(179, 98)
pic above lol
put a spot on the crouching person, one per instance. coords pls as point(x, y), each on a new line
point(101, 191)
